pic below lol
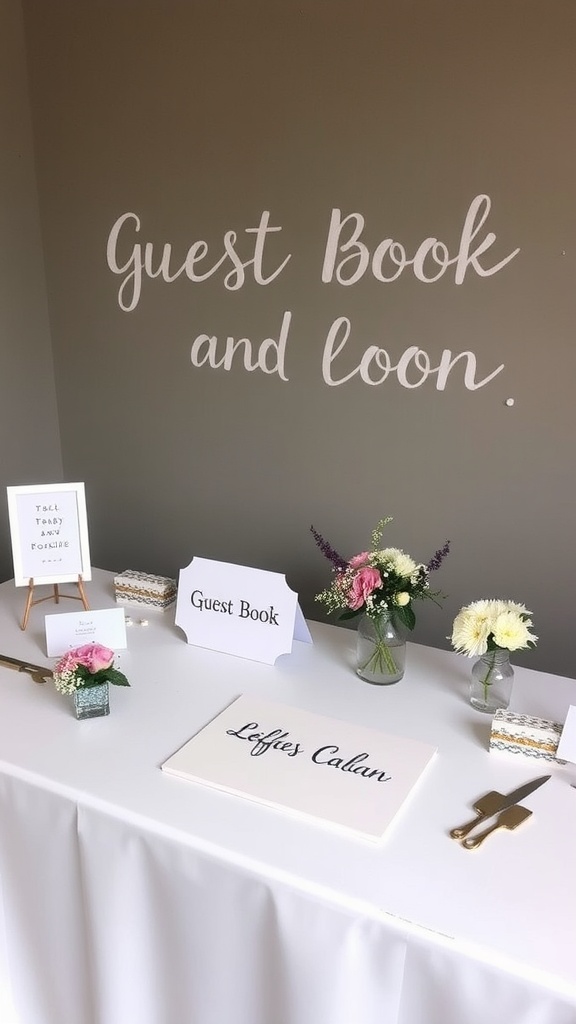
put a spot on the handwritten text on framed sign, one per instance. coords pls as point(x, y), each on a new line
point(49, 531)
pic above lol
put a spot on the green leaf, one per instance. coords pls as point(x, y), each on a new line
point(352, 614)
point(116, 678)
point(405, 615)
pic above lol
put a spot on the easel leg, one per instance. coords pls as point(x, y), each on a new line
point(56, 595)
point(83, 597)
point(28, 604)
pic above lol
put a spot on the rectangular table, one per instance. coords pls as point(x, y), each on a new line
point(130, 897)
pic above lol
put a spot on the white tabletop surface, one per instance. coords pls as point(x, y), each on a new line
point(512, 903)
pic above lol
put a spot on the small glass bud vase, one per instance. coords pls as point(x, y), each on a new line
point(92, 701)
point(381, 650)
point(491, 683)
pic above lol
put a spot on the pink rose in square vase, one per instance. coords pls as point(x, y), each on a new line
point(94, 657)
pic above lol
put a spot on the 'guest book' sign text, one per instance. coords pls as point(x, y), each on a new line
point(250, 613)
point(341, 774)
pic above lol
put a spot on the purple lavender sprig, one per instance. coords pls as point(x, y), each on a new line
point(328, 551)
point(437, 559)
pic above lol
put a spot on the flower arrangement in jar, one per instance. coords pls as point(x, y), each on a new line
point(379, 585)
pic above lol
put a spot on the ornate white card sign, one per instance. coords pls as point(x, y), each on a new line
point(235, 609)
point(49, 531)
point(343, 775)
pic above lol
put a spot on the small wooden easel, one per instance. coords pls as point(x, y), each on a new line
point(80, 596)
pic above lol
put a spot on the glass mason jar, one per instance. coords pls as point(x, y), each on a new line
point(92, 701)
point(491, 683)
point(380, 651)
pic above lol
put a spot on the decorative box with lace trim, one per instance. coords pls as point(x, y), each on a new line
point(144, 589)
point(536, 738)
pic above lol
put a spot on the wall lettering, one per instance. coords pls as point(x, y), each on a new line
point(412, 369)
point(430, 261)
point(206, 350)
point(347, 259)
point(144, 261)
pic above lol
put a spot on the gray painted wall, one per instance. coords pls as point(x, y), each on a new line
point(29, 437)
point(198, 117)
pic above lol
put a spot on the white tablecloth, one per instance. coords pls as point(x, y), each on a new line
point(131, 897)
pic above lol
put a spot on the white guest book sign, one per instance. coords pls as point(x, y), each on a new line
point(346, 776)
point(250, 613)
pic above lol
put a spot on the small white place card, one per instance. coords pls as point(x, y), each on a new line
point(72, 629)
point(566, 750)
point(250, 613)
point(343, 775)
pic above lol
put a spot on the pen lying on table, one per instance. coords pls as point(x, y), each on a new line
point(39, 673)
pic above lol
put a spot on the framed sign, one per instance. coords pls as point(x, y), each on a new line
point(49, 532)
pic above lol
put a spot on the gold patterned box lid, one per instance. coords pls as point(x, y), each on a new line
point(532, 737)
point(136, 587)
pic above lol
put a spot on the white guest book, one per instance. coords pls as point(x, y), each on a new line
point(342, 775)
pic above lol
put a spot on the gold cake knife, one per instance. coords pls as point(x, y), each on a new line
point(494, 802)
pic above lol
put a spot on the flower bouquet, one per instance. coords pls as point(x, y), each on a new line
point(491, 629)
point(381, 585)
point(86, 672)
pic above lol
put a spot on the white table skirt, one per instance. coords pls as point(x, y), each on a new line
point(130, 897)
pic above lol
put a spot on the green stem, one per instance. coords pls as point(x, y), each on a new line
point(381, 659)
point(486, 682)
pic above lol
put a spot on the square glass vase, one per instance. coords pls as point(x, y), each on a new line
point(92, 701)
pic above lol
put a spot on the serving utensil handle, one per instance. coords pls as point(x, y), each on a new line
point(459, 833)
point(474, 842)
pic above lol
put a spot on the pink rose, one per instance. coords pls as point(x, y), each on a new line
point(94, 657)
point(364, 583)
point(359, 560)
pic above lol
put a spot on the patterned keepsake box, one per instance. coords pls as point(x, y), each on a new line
point(536, 738)
point(144, 589)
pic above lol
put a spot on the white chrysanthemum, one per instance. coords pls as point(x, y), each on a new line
point(520, 609)
point(470, 631)
point(486, 609)
point(399, 561)
point(388, 554)
point(401, 598)
point(495, 606)
point(494, 621)
point(511, 632)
